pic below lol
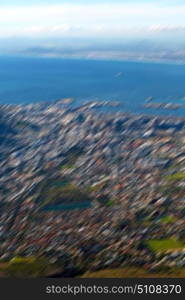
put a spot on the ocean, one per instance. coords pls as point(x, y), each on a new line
point(28, 80)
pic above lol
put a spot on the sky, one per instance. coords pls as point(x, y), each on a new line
point(89, 19)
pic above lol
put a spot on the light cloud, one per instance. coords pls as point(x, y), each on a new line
point(167, 28)
point(85, 20)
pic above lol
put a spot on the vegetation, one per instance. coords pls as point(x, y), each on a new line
point(68, 166)
point(132, 272)
point(58, 190)
point(171, 189)
point(176, 176)
point(93, 188)
point(63, 194)
point(25, 267)
point(111, 202)
point(168, 220)
point(164, 245)
point(22, 260)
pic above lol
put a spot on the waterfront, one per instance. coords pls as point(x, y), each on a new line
point(28, 80)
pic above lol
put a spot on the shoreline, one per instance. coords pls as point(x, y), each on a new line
point(98, 58)
point(77, 108)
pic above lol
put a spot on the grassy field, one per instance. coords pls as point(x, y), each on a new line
point(132, 272)
point(176, 176)
point(168, 220)
point(164, 245)
point(26, 267)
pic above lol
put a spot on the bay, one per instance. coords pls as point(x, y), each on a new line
point(30, 79)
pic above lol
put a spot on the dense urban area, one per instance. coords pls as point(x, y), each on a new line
point(84, 189)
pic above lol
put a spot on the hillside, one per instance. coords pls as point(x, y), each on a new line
point(135, 273)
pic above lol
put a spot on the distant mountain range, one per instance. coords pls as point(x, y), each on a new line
point(160, 55)
point(137, 49)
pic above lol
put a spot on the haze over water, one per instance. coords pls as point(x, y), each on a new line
point(29, 80)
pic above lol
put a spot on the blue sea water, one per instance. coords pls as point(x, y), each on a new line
point(73, 206)
point(28, 80)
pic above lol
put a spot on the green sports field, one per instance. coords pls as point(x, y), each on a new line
point(165, 244)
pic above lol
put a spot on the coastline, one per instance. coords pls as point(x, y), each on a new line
point(97, 58)
point(33, 79)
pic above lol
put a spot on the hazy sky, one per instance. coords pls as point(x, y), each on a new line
point(91, 25)
point(84, 18)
